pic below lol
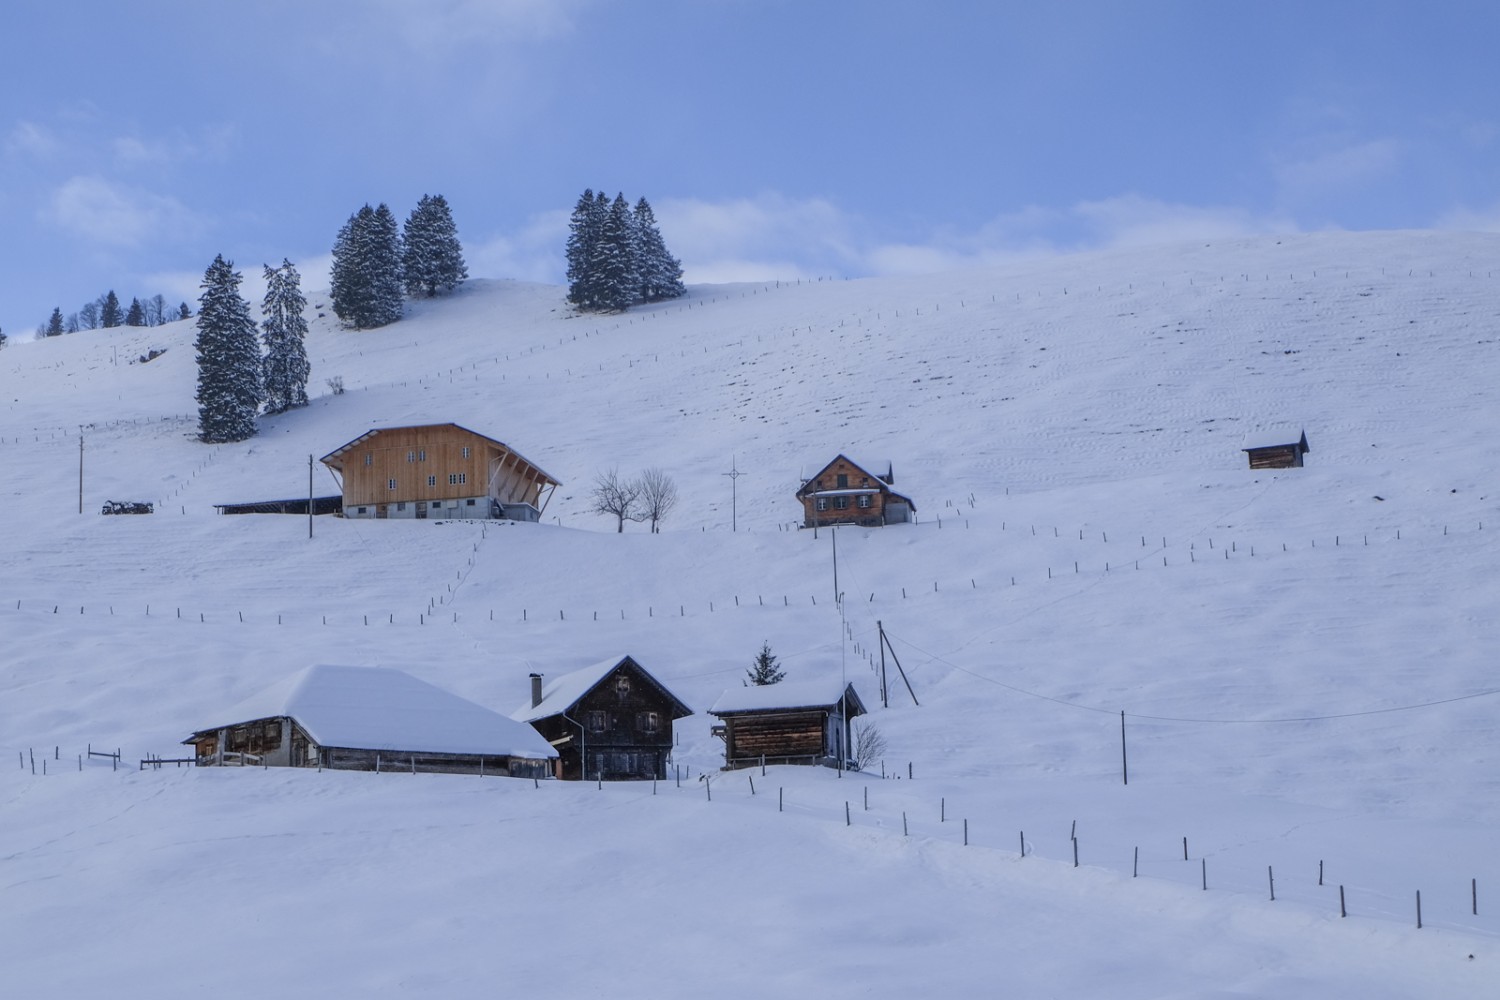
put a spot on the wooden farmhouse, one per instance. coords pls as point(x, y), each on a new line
point(1277, 448)
point(611, 721)
point(845, 493)
point(437, 470)
point(371, 719)
point(792, 722)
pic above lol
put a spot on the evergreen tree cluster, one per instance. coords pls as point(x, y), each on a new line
point(616, 255)
point(373, 263)
point(106, 312)
point(234, 379)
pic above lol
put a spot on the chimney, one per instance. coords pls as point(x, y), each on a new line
point(536, 690)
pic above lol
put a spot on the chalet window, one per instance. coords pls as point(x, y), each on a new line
point(864, 500)
point(822, 503)
point(843, 481)
point(864, 481)
point(597, 721)
point(390, 484)
point(369, 458)
point(432, 480)
point(455, 478)
point(648, 722)
point(840, 503)
point(622, 686)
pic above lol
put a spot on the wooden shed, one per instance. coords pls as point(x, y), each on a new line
point(611, 721)
point(370, 719)
point(843, 492)
point(793, 722)
point(1276, 448)
point(437, 471)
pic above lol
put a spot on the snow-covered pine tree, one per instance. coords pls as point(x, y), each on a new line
point(366, 273)
point(660, 272)
point(613, 264)
point(432, 260)
point(583, 233)
point(764, 670)
point(284, 331)
point(229, 375)
point(136, 316)
point(110, 313)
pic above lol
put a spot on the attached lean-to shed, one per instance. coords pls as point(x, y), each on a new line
point(1276, 448)
point(611, 721)
point(371, 719)
point(793, 722)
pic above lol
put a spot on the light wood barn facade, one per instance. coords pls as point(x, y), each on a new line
point(792, 722)
point(843, 492)
point(438, 471)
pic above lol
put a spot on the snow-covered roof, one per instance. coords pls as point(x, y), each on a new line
point(1275, 437)
point(377, 708)
point(565, 690)
point(787, 695)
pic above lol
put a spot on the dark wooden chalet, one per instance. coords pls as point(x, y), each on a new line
point(1277, 448)
point(793, 722)
point(371, 719)
point(845, 493)
point(612, 720)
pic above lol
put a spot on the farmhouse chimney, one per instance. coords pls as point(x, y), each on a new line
point(536, 690)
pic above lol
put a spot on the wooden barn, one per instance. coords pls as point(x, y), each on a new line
point(793, 722)
point(846, 493)
point(611, 721)
point(437, 471)
point(371, 719)
point(1276, 448)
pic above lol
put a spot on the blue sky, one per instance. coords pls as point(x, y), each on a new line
point(773, 138)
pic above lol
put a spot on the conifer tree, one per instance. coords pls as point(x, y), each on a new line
point(764, 669)
point(366, 275)
point(660, 272)
point(612, 265)
point(583, 234)
point(137, 314)
point(284, 330)
point(229, 370)
point(183, 312)
point(432, 259)
point(55, 323)
point(110, 314)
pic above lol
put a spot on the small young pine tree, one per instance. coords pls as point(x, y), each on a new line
point(55, 323)
point(110, 313)
point(136, 315)
point(764, 670)
point(229, 373)
point(284, 331)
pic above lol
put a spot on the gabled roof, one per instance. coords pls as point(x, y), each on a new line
point(377, 708)
point(788, 696)
point(335, 459)
point(565, 690)
point(882, 484)
point(1275, 437)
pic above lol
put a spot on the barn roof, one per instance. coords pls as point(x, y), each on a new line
point(563, 691)
point(377, 708)
point(335, 459)
point(788, 695)
point(1275, 437)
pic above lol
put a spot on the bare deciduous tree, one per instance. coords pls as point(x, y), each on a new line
point(869, 745)
point(615, 497)
point(658, 495)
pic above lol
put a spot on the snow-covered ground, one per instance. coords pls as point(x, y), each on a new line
point(1304, 657)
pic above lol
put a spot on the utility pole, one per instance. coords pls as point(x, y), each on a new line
point(309, 495)
point(734, 474)
point(80, 470)
point(834, 531)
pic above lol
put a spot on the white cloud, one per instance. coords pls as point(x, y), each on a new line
point(1334, 165)
point(754, 239)
point(435, 29)
point(211, 143)
point(532, 254)
point(31, 139)
point(112, 214)
point(1472, 220)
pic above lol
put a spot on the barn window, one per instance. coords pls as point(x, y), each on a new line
point(822, 503)
point(471, 503)
point(466, 452)
point(369, 458)
point(432, 480)
point(411, 456)
point(455, 478)
point(390, 484)
point(648, 722)
point(840, 503)
point(421, 455)
point(597, 722)
point(864, 500)
point(401, 506)
point(362, 510)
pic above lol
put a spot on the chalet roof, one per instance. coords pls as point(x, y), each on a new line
point(1275, 437)
point(786, 696)
point(377, 708)
point(564, 691)
point(335, 459)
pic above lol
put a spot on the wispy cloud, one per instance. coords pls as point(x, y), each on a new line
point(1338, 165)
point(111, 214)
point(212, 143)
point(30, 139)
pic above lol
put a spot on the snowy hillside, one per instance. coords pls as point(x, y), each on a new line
point(1304, 657)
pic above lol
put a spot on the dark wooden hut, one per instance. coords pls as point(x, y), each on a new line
point(611, 721)
point(793, 722)
point(1276, 448)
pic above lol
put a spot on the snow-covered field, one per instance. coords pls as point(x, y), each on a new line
point(1305, 658)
